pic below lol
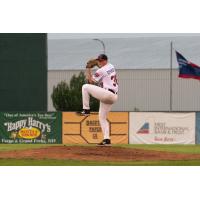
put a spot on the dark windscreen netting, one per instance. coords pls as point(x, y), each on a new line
point(23, 72)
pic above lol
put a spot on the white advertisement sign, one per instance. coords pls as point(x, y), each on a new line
point(162, 128)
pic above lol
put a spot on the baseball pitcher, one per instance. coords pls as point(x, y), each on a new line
point(106, 91)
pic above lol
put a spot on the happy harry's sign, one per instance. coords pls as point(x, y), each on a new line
point(30, 127)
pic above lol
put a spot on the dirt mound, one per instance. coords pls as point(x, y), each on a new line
point(93, 153)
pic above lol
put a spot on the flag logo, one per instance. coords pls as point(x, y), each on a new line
point(144, 129)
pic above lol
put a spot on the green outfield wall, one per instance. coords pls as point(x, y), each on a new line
point(23, 72)
point(30, 127)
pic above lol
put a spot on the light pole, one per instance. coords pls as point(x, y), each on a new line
point(171, 66)
point(104, 47)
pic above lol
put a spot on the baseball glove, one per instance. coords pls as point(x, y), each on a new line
point(92, 63)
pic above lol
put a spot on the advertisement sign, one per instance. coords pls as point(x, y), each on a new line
point(162, 128)
point(30, 127)
point(78, 129)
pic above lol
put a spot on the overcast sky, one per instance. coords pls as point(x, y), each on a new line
point(114, 35)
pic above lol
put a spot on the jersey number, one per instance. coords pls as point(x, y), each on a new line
point(114, 78)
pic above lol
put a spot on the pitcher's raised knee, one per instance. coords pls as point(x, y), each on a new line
point(85, 86)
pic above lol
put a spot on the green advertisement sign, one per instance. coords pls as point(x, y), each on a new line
point(30, 127)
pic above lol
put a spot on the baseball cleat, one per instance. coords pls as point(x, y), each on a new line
point(105, 142)
point(85, 112)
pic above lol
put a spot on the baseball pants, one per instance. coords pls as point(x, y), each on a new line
point(106, 99)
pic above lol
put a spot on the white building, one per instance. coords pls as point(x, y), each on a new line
point(143, 69)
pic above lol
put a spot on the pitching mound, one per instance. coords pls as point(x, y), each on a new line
point(92, 153)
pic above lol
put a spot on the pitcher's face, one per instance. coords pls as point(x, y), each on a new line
point(102, 62)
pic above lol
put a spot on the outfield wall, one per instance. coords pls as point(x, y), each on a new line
point(23, 77)
point(133, 128)
point(30, 127)
point(125, 128)
point(162, 128)
point(197, 127)
point(78, 129)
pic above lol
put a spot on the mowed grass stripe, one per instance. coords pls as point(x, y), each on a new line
point(32, 162)
point(192, 149)
point(14, 147)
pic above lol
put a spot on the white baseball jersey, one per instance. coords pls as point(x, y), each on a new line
point(107, 77)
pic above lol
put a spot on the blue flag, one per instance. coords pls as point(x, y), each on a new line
point(187, 69)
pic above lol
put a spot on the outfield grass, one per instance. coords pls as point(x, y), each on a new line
point(32, 162)
point(169, 148)
point(10, 147)
point(195, 149)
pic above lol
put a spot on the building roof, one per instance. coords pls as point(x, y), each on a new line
point(141, 52)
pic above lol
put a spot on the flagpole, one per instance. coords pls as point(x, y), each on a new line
point(171, 65)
